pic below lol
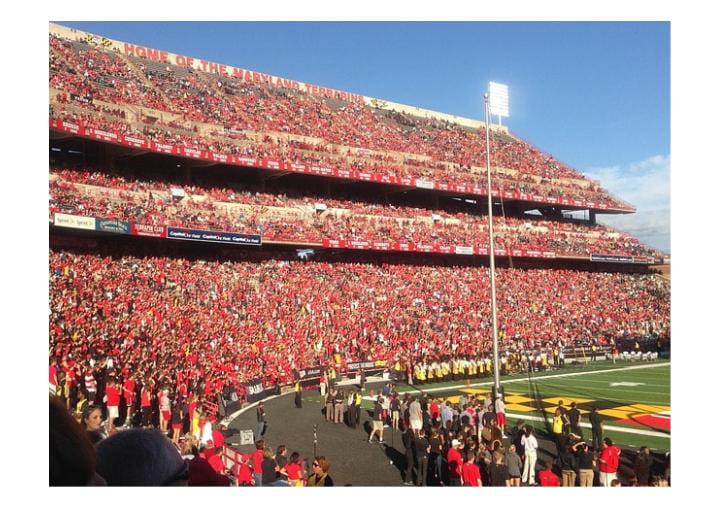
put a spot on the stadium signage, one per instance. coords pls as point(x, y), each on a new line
point(222, 237)
point(460, 249)
point(112, 225)
point(306, 374)
point(361, 365)
point(425, 184)
point(133, 141)
point(70, 221)
point(229, 71)
point(102, 135)
point(148, 230)
point(611, 259)
point(255, 390)
point(222, 158)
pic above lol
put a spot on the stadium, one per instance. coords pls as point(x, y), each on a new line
point(247, 262)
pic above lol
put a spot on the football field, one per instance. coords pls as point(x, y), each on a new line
point(633, 398)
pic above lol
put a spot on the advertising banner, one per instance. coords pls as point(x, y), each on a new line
point(220, 237)
point(309, 374)
point(112, 225)
point(611, 259)
point(255, 390)
point(459, 249)
point(70, 221)
point(148, 230)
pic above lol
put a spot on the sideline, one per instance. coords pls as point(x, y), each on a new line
point(227, 420)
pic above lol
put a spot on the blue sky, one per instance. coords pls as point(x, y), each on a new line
point(595, 95)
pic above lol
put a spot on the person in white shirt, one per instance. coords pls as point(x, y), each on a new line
point(530, 443)
point(206, 434)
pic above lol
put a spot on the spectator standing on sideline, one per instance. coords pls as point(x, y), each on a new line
point(547, 477)
point(298, 395)
point(609, 461)
point(471, 472)
point(643, 463)
point(408, 440)
point(530, 445)
point(514, 465)
point(455, 463)
point(596, 423)
point(586, 465)
point(574, 416)
point(500, 413)
point(261, 420)
point(422, 450)
point(377, 421)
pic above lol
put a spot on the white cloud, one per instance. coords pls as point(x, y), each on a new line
point(645, 185)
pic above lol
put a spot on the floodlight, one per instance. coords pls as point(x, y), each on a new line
point(499, 99)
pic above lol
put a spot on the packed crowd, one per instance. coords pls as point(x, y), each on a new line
point(343, 135)
point(175, 321)
point(279, 216)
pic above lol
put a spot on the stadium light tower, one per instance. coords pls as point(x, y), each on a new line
point(499, 100)
point(497, 390)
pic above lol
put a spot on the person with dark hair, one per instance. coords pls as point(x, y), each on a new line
point(574, 416)
point(546, 477)
point(586, 465)
point(261, 420)
point(408, 440)
point(92, 421)
point(72, 455)
point(257, 460)
point(294, 470)
point(596, 423)
point(471, 472)
point(112, 402)
point(320, 477)
point(138, 457)
point(643, 463)
point(298, 395)
point(422, 451)
point(609, 460)
point(377, 421)
point(530, 444)
point(568, 464)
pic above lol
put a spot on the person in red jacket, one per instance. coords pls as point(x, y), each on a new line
point(609, 461)
point(548, 478)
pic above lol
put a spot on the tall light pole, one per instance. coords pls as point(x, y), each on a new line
point(496, 361)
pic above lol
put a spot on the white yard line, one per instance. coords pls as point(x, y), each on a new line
point(647, 433)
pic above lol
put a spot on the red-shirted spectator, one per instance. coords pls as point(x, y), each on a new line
point(608, 462)
point(455, 463)
point(112, 401)
point(546, 477)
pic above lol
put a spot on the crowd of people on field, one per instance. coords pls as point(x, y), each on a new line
point(278, 216)
point(257, 120)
